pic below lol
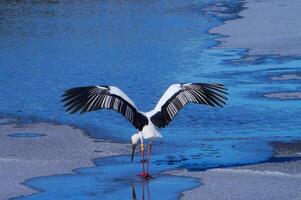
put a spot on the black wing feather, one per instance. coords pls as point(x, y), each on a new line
point(92, 98)
point(200, 93)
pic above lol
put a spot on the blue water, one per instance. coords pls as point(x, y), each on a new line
point(111, 179)
point(142, 47)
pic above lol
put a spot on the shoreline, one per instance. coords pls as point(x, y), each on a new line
point(276, 178)
point(280, 176)
point(58, 149)
point(270, 35)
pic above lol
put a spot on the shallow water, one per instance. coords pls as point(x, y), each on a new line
point(111, 179)
point(143, 47)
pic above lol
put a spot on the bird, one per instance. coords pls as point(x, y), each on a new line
point(91, 98)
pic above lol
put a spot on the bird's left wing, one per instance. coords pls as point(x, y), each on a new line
point(91, 98)
point(178, 95)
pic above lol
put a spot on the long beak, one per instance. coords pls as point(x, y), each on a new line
point(133, 152)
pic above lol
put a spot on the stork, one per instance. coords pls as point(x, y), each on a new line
point(91, 98)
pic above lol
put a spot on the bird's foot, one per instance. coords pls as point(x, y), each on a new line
point(145, 175)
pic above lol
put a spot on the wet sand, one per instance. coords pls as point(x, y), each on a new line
point(44, 149)
point(266, 28)
point(279, 178)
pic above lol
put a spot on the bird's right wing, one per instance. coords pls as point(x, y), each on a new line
point(91, 98)
point(178, 95)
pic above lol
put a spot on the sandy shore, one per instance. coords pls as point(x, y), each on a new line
point(43, 149)
point(278, 179)
point(266, 28)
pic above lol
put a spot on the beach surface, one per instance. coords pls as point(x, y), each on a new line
point(279, 178)
point(43, 149)
point(264, 28)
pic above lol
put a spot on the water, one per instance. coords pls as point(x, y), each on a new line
point(142, 47)
point(111, 179)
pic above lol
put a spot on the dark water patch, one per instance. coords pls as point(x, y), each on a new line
point(284, 159)
point(225, 10)
point(26, 135)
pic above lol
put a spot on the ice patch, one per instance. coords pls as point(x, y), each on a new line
point(261, 173)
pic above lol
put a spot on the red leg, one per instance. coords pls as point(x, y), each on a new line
point(143, 174)
point(148, 158)
point(142, 157)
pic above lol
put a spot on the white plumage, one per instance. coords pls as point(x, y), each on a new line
point(171, 90)
point(118, 92)
point(91, 98)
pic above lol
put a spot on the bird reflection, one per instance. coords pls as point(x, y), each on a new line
point(147, 194)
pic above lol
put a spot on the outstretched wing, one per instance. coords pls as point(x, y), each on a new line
point(178, 95)
point(91, 98)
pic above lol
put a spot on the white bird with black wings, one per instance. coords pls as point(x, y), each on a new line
point(91, 98)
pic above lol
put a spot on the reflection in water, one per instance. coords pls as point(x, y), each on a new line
point(144, 184)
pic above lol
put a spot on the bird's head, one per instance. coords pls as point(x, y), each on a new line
point(134, 140)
